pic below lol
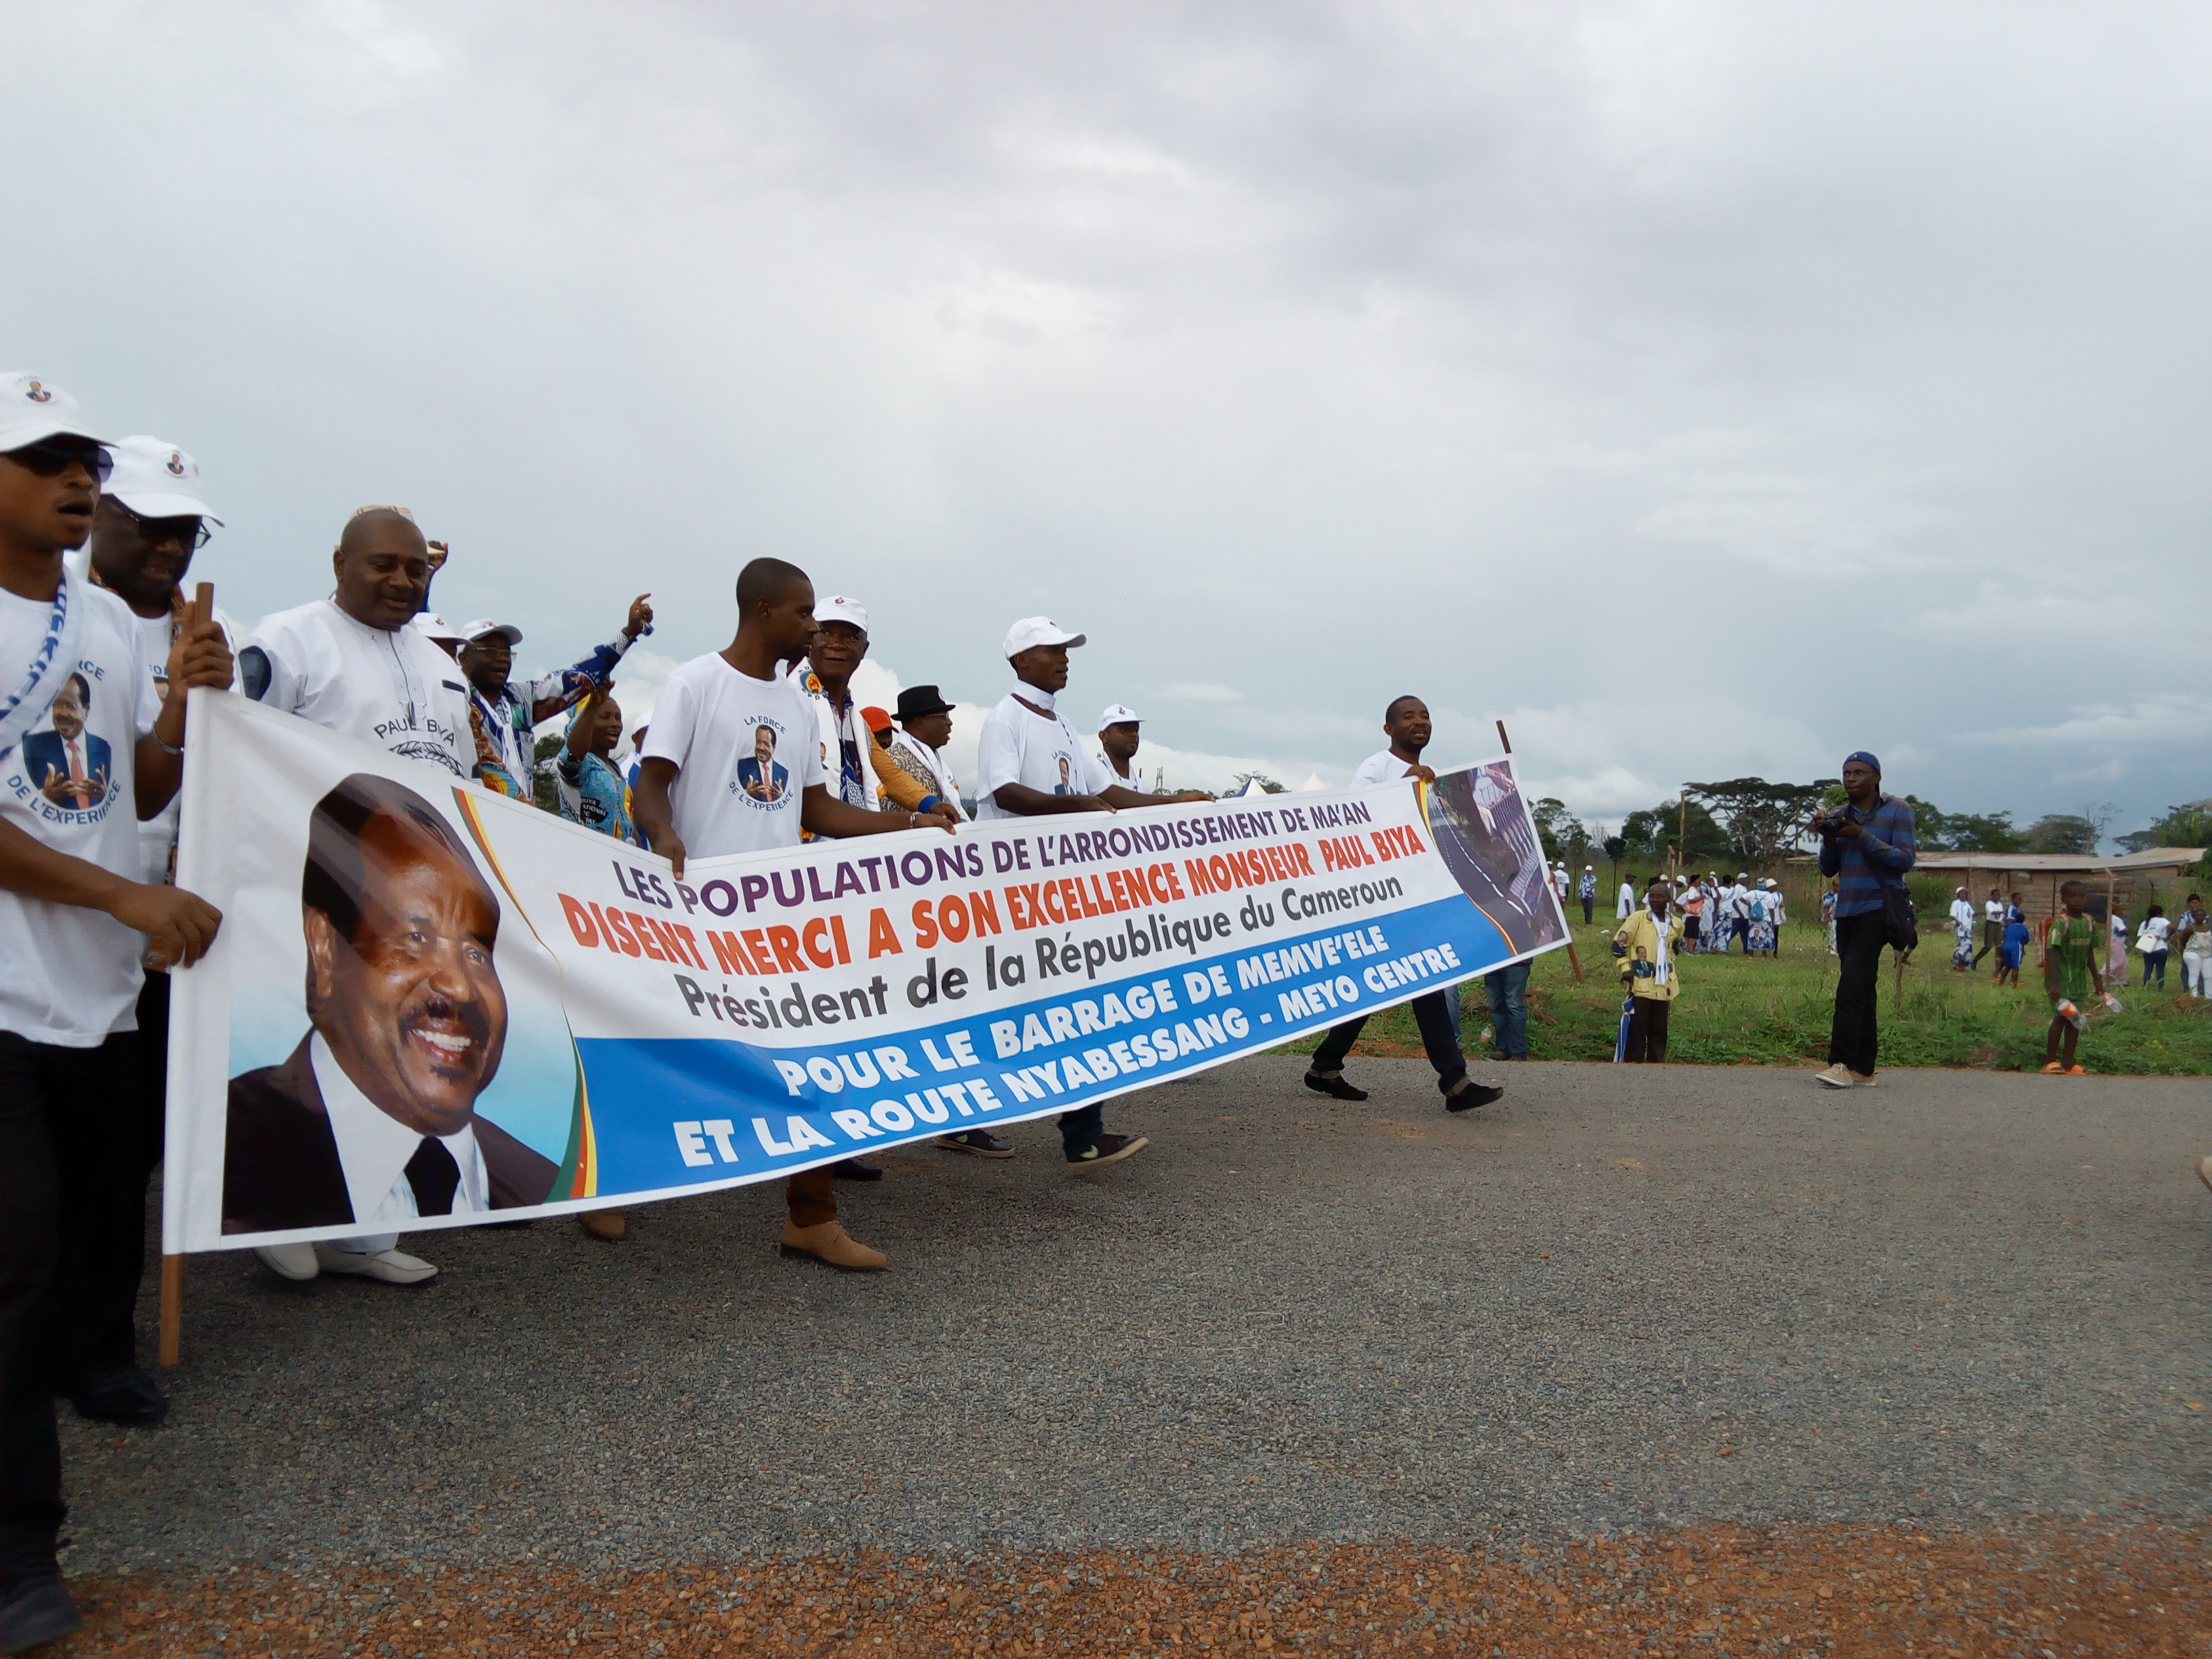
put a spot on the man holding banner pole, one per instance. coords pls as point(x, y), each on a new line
point(1408, 725)
point(730, 704)
point(78, 924)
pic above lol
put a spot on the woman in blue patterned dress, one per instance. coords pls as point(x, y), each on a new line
point(588, 785)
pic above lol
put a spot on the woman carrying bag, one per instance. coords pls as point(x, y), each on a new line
point(2151, 941)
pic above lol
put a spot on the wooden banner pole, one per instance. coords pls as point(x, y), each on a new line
point(1573, 961)
point(172, 1316)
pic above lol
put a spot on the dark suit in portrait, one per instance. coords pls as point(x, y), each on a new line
point(46, 752)
point(762, 782)
point(281, 1167)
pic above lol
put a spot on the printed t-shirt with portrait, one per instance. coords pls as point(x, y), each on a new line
point(69, 977)
point(746, 752)
point(391, 687)
point(1020, 745)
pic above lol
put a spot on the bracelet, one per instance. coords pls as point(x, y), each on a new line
point(176, 749)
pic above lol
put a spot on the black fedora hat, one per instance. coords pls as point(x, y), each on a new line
point(918, 702)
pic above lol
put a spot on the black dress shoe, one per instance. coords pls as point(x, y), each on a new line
point(117, 1394)
point(1334, 1087)
point(1472, 1096)
point(853, 1168)
point(34, 1613)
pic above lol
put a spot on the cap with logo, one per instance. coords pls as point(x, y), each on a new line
point(156, 480)
point(1031, 632)
point(484, 628)
point(34, 409)
point(877, 719)
point(437, 628)
point(918, 702)
point(838, 608)
point(1117, 714)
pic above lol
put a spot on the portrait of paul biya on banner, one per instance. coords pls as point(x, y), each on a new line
point(1483, 835)
point(372, 1119)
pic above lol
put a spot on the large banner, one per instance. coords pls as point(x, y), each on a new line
point(430, 1004)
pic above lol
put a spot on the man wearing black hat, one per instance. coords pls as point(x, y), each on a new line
point(915, 752)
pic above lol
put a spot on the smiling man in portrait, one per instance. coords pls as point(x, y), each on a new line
point(372, 1119)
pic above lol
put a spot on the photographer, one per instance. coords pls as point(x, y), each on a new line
point(1868, 843)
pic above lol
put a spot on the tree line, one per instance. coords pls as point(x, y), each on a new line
point(1753, 823)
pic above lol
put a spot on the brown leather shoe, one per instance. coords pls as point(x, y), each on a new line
point(827, 1242)
point(612, 1226)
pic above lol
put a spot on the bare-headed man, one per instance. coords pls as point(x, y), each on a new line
point(355, 663)
point(689, 804)
point(1407, 723)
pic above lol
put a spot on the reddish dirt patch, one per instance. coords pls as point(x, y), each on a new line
point(2093, 1589)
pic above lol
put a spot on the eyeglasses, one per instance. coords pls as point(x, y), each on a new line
point(53, 457)
point(155, 531)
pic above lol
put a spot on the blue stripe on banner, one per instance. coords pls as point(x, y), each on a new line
point(675, 1112)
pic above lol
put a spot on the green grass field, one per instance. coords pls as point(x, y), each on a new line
point(1739, 1011)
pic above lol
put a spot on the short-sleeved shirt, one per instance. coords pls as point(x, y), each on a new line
point(69, 977)
point(1020, 745)
point(2069, 942)
point(157, 835)
point(391, 687)
point(1379, 769)
point(746, 752)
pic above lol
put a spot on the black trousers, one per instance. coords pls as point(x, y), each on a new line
point(1432, 1013)
point(1859, 940)
point(1589, 904)
point(1647, 1030)
point(72, 1183)
point(1992, 937)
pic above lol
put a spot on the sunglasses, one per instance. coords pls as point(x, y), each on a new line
point(53, 457)
point(153, 532)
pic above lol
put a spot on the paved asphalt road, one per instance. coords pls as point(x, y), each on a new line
point(1624, 1298)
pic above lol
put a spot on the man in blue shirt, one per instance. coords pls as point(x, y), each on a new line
point(1868, 843)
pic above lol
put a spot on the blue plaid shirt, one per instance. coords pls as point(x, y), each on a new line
point(1885, 843)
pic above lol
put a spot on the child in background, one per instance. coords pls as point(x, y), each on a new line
point(2011, 947)
point(1828, 918)
point(2069, 975)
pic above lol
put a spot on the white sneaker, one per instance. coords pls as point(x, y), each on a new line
point(387, 1266)
point(296, 1262)
point(1836, 1077)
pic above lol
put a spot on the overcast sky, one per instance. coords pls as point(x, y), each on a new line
point(1703, 390)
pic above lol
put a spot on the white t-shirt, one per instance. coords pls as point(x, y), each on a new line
point(2154, 931)
point(709, 720)
point(1379, 769)
point(1994, 910)
point(1135, 781)
point(1020, 745)
point(389, 687)
point(69, 977)
point(1962, 913)
point(157, 835)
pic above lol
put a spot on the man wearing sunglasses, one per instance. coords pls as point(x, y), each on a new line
point(78, 923)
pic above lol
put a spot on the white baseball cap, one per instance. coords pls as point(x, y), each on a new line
point(436, 627)
point(838, 608)
point(33, 408)
point(1117, 714)
point(484, 628)
point(1033, 631)
point(156, 480)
